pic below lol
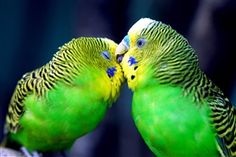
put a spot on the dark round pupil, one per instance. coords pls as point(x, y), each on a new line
point(140, 43)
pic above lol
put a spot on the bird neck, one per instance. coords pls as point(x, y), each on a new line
point(144, 76)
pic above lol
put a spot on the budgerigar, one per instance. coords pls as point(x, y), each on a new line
point(177, 109)
point(66, 98)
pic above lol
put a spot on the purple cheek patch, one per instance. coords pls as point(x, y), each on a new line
point(132, 61)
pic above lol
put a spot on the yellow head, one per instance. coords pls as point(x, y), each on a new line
point(94, 59)
point(153, 51)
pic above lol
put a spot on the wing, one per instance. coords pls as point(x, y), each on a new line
point(61, 68)
point(223, 115)
point(30, 83)
point(38, 82)
point(224, 118)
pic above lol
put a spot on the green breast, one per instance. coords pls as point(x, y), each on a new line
point(171, 124)
point(68, 112)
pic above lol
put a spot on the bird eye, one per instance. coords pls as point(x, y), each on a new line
point(106, 55)
point(141, 42)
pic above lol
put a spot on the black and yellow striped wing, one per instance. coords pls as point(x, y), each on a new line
point(35, 82)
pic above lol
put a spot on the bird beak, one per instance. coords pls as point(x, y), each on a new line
point(121, 49)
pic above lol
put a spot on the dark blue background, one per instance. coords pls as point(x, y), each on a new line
point(32, 30)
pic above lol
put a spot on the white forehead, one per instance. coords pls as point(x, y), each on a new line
point(140, 24)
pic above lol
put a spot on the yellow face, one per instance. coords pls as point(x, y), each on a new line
point(113, 70)
point(153, 52)
point(97, 57)
point(135, 49)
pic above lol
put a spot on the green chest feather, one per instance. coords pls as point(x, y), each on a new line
point(67, 112)
point(171, 124)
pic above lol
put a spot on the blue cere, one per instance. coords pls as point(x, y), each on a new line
point(106, 55)
point(126, 41)
point(111, 71)
point(132, 61)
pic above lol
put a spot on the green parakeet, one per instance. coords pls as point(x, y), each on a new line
point(177, 109)
point(66, 98)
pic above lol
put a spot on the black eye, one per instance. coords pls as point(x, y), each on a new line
point(141, 42)
point(106, 55)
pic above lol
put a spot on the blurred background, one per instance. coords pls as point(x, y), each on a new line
point(32, 30)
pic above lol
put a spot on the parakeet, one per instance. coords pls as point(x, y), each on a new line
point(177, 109)
point(66, 98)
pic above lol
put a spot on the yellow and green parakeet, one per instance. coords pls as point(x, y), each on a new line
point(177, 109)
point(66, 98)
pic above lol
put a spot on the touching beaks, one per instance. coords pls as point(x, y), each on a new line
point(122, 48)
